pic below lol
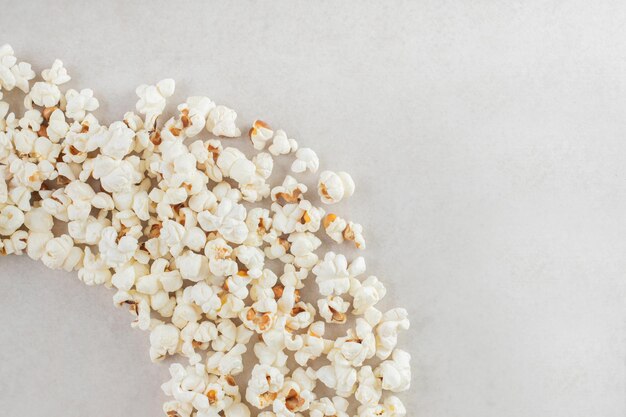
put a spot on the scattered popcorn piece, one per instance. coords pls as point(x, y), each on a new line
point(395, 374)
point(260, 133)
point(339, 230)
point(306, 159)
point(164, 340)
point(79, 103)
point(221, 122)
point(334, 187)
point(282, 145)
point(152, 99)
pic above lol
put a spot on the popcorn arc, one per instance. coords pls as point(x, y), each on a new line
point(224, 267)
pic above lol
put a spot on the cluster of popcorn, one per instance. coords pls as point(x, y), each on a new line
point(177, 226)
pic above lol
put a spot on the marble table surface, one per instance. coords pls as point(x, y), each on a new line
point(487, 141)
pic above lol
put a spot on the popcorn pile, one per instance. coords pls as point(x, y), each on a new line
point(180, 231)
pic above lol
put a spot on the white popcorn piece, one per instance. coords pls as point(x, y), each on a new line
point(116, 250)
point(282, 145)
point(306, 160)
point(395, 374)
point(164, 340)
point(370, 388)
point(220, 258)
point(339, 230)
point(228, 219)
point(205, 296)
point(303, 246)
point(115, 142)
point(358, 346)
point(187, 385)
point(221, 122)
point(12, 73)
point(15, 244)
point(194, 113)
point(11, 219)
point(79, 103)
point(313, 344)
point(60, 253)
point(94, 271)
point(56, 74)
point(333, 309)
point(227, 363)
point(193, 266)
point(339, 377)
point(152, 99)
point(325, 407)
point(47, 93)
point(260, 133)
point(333, 187)
point(116, 176)
point(392, 322)
point(392, 407)
point(264, 385)
point(366, 294)
point(332, 275)
point(57, 126)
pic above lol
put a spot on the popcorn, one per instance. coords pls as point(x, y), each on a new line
point(57, 126)
point(228, 220)
point(332, 274)
point(357, 346)
point(340, 377)
point(116, 176)
point(395, 374)
point(220, 262)
point(392, 407)
point(260, 133)
point(186, 233)
point(164, 340)
point(11, 219)
point(366, 294)
point(334, 187)
point(94, 271)
point(333, 309)
point(221, 122)
point(81, 195)
point(206, 297)
point(79, 103)
point(60, 253)
point(325, 407)
point(152, 99)
point(282, 145)
point(306, 160)
point(15, 244)
point(369, 390)
point(187, 385)
point(194, 113)
point(339, 230)
point(192, 266)
point(116, 250)
point(56, 74)
point(115, 142)
point(392, 322)
point(235, 165)
point(264, 385)
point(13, 74)
point(313, 344)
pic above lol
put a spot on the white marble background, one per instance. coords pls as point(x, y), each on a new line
point(488, 142)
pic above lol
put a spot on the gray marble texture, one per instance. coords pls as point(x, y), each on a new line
point(487, 140)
